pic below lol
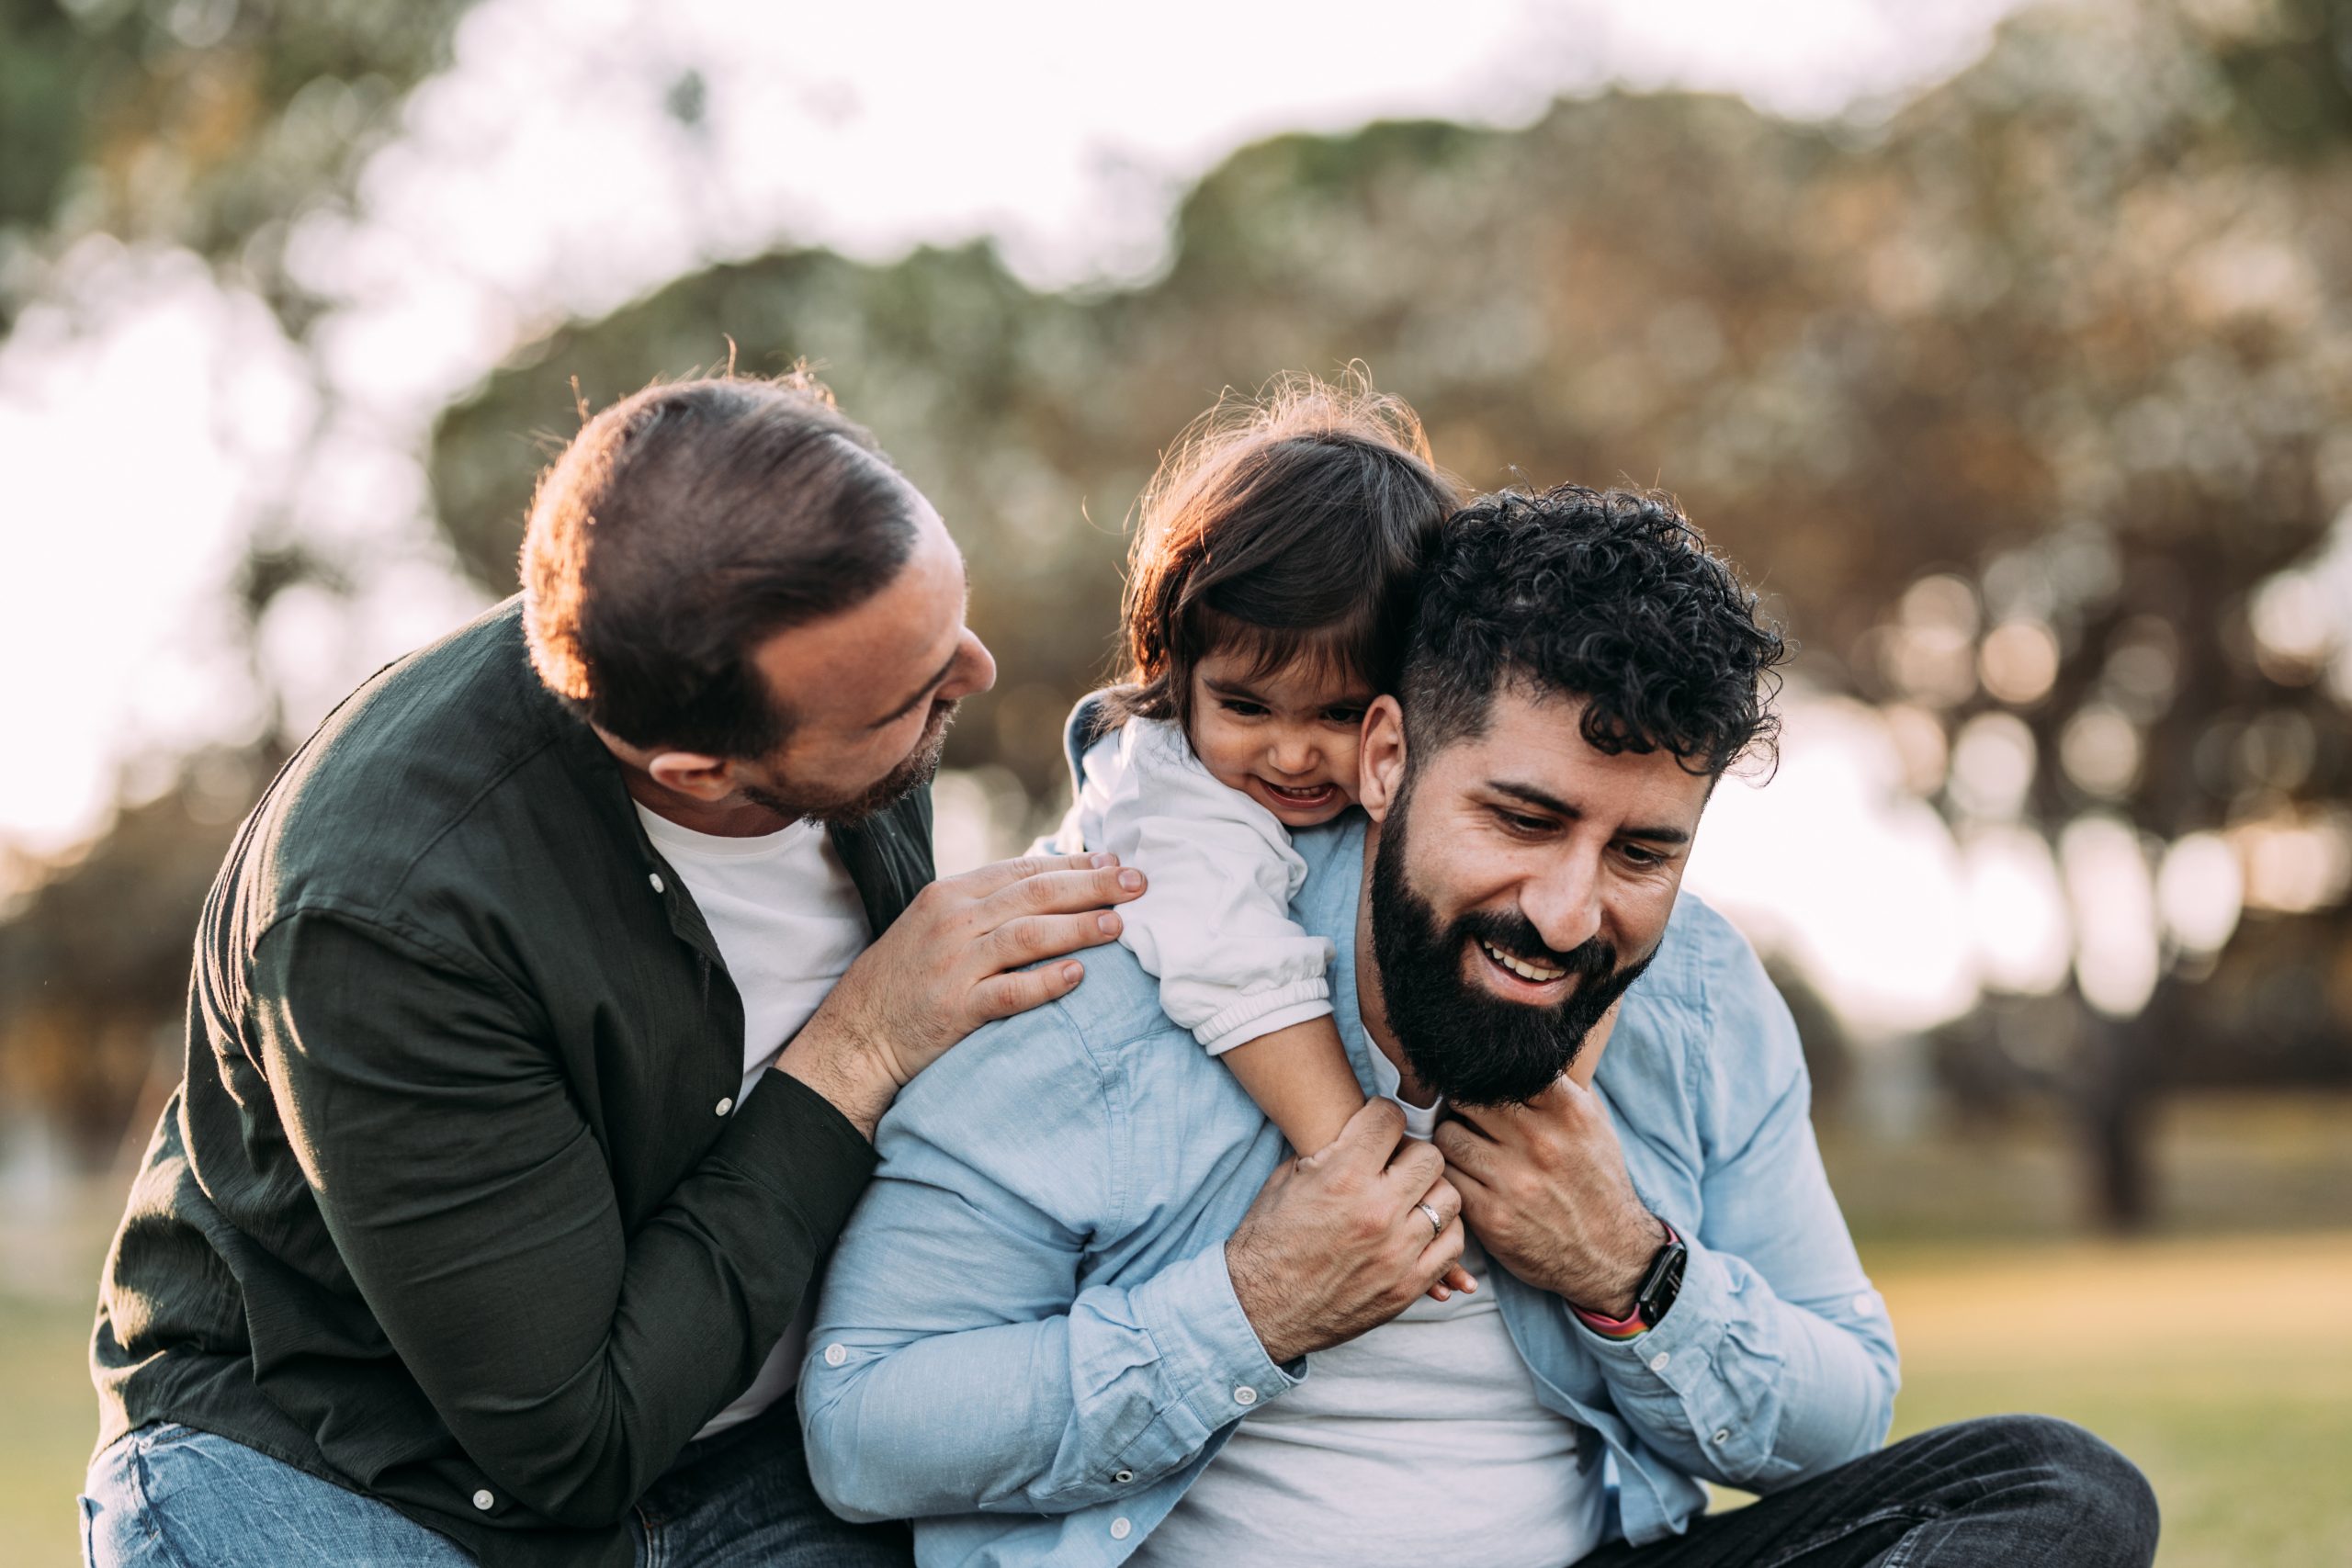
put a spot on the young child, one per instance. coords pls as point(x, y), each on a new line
point(1270, 592)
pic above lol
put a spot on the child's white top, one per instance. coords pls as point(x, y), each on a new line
point(1214, 924)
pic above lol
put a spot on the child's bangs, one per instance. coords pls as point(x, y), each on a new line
point(1337, 654)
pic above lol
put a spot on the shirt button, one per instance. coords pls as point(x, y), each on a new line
point(1245, 1395)
point(654, 880)
point(1659, 1362)
point(1121, 1528)
point(835, 1355)
point(727, 1105)
point(482, 1499)
point(1864, 1305)
point(1123, 1476)
point(1722, 1435)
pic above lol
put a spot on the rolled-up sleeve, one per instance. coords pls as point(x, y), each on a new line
point(958, 1363)
point(1776, 1362)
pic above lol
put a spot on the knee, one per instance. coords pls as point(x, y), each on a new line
point(2097, 1497)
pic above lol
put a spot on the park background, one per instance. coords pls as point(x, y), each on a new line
point(2008, 347)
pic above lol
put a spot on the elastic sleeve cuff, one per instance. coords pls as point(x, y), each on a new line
point(794, 1142)
point(1214, 1364)
point(1261, 1012)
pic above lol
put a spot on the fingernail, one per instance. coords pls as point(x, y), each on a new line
point(1098, 861)
point(1443, 1294)
point(1073, 972)
point(1131, 880)
point(1108, 924)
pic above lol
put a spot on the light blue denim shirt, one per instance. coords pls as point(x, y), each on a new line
point(1028, 1342)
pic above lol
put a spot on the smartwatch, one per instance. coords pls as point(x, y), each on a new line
point(1663, 1281)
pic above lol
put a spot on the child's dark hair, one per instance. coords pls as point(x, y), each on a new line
point(1289, 527)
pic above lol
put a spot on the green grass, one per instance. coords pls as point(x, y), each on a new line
point(2240, 1415)
point(45, 1436)
point(2241, 1420)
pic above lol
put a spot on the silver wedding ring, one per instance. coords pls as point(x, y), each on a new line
point(1437, 1225)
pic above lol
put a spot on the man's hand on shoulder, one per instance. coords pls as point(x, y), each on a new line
point(1339, 1241)
point(956, 959)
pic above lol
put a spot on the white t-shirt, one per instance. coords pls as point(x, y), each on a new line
point(789, 922)
point(1417, 1443)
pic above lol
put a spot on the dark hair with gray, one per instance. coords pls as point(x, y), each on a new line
point(1607, 596)
point(685, 525)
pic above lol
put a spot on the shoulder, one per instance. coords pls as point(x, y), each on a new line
point(1037, 1112)
point(1068, 1060)
point(407, 768)
point(1704, 1026)
point(1148, 757)
point(1702, 963)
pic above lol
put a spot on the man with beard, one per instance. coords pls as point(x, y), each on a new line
point(542, 1013)
point(1090, 1312)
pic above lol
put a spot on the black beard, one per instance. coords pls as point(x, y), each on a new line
point(1461, 1041)
point(916, 770)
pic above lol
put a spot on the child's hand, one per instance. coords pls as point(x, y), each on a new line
point(1456, 1279)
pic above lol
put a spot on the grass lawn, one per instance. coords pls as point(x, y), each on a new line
point(45, 1435)
point(2237, 1402)
point(2223, 1366)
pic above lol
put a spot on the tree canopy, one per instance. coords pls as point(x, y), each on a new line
point(2021, 404)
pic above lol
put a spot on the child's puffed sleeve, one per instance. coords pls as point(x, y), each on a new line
point(1214, 925)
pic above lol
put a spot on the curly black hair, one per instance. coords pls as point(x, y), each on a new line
point(1608, 595)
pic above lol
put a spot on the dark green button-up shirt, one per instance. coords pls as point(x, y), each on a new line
point(444, 1209)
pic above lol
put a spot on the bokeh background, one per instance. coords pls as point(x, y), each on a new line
point(2007, 347)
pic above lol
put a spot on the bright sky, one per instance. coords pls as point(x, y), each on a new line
point(149, 421)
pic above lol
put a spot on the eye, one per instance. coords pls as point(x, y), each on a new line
point(1348, 716)
point(1523, 824)
point(1640, 856)
point(1242, 707)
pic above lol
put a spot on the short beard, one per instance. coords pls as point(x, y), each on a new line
point(1461, 1041)
point(918, 767)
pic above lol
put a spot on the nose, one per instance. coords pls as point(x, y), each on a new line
point(1294, 752)
point(1563, 901)
point(973, 672)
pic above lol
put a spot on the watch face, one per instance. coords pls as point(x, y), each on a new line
point(1662, 1283)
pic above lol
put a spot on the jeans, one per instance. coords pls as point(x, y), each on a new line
point(2003, 1492)
point(170, 1497)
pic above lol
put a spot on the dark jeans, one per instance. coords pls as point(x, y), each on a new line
point(170, 1497)
point(2004, 1492)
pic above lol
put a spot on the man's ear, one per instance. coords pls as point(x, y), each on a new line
point(707, 779)
point(1380, 757)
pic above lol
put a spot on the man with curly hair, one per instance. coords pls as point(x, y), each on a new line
point(1183, 1346)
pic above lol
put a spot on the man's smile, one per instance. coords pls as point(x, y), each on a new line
point(1520, 978)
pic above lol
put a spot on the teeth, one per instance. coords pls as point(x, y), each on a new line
point(1521, 966)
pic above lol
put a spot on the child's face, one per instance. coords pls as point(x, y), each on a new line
point(1286, 741)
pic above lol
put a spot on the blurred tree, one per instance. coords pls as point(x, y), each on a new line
point(94, 965)
point(214, 125)
point(2019, 398)
point(2025, 401)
